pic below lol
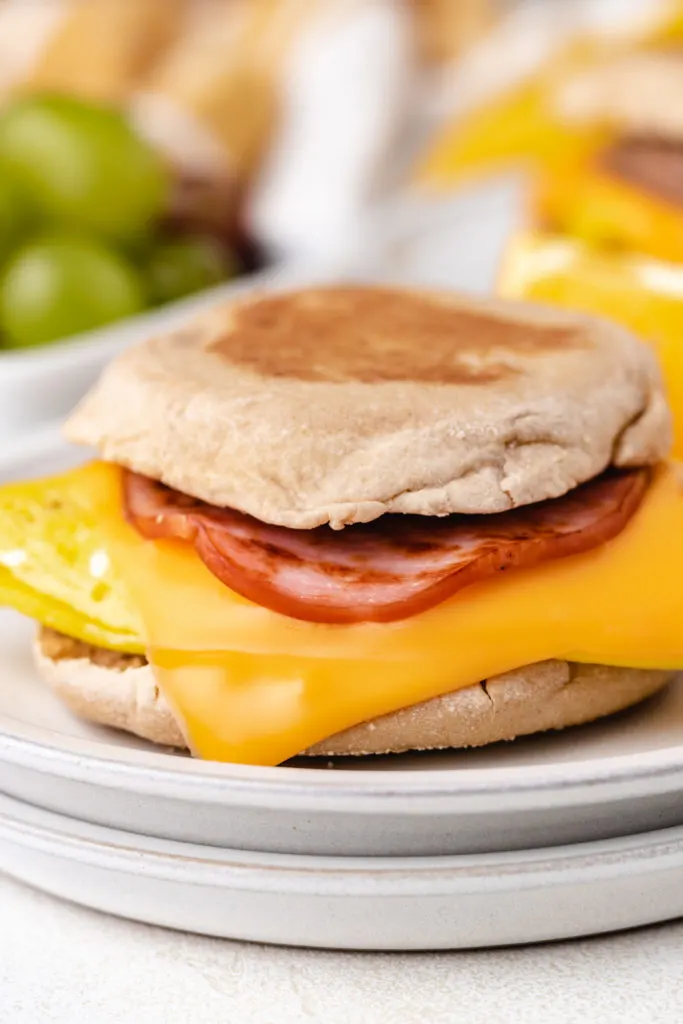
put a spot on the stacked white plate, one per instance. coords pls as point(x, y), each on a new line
point(551, 837)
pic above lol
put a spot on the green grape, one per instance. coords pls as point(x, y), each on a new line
point(13, 217)
point(82, 167)
point(60, 285)
point(179, 268)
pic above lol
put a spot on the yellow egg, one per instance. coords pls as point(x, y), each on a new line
point(54, 565)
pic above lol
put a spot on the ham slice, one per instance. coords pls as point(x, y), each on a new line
point(650, 163)
point(391, 568)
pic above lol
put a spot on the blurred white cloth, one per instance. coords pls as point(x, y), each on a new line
point(345, 99)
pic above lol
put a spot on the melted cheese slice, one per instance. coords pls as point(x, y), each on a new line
point(251, 686)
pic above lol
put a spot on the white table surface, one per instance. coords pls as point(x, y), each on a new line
point(61, 963)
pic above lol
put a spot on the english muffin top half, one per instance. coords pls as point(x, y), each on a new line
point(337, 405)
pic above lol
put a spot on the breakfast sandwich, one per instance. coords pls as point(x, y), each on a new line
point(355, 520)
point(625, 191)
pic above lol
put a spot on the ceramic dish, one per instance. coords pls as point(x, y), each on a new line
point(613, 778)
point(349, 903)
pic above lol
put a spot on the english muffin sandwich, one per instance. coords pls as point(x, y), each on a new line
point(356, 521)
point(627, 191)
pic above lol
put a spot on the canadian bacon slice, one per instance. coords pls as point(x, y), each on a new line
point(387, 570)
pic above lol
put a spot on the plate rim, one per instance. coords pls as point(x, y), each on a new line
point(316, 901)
point(162, 775)
point(104, 841)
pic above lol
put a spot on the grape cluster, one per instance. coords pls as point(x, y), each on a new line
point(82, 205)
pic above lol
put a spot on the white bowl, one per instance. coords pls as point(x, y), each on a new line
point(42, 384)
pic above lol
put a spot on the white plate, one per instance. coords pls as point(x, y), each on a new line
point(615, 778)
point(349, 903)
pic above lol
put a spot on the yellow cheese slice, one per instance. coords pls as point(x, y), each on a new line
point(251, 686)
